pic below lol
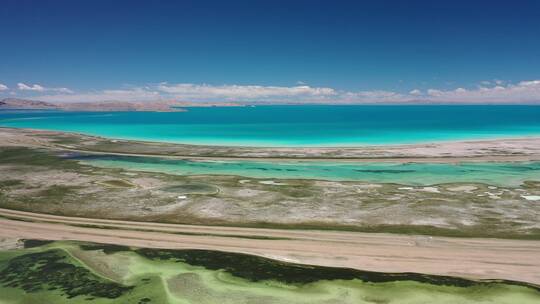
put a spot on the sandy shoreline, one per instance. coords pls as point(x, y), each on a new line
point(474, 258)
point(504, 149)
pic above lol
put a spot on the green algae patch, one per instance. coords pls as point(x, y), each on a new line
point(35, 243)
point(116, 183)
point(53, 270)
point(34, 157)
point(254, 268)
point(73, 272)
point(106, 248)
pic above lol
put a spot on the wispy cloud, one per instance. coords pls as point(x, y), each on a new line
point(38, 88)
point(522, 92)
point(378, 96)
point(3, 87)
point(492, 82)
point(134, 94)
point(415, 92)
point(235, 92)
point(493, 92)
point(25, 87)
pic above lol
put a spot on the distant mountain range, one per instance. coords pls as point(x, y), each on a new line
point(161, 105)
point(15, 103)
point(25, 104)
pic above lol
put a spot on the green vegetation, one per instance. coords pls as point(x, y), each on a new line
point(35, 243)
point(106, 248)
point(257, 269)
point(54, 270)
point(10, 183)
point(34, 157)
point(56, 192)
point(70, 272)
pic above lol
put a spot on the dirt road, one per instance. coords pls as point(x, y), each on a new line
point(517, 260)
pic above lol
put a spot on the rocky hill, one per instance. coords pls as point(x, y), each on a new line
point(16, 103)
point(25, 104)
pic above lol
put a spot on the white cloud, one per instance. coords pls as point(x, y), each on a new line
point(240, 92)
point(494, 82)
point(531, 83)
point(377, 96)
point(522, 92)
point(35, 87)
point(38, 88)
point(3, 87)
point(62, 90)
point(434, 92)
point(135, 94)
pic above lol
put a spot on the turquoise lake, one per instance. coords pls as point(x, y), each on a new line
point(493, 173)
point(306, 125)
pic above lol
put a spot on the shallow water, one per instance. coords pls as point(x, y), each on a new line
point(294, 125)
point(504, 174)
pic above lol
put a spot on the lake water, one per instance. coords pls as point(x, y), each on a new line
point(306, 125)
point(493, 173)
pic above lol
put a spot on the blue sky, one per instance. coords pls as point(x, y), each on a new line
point(334, 51)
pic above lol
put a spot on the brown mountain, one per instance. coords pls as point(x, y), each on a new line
point(24, 104)
point(16, 103)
